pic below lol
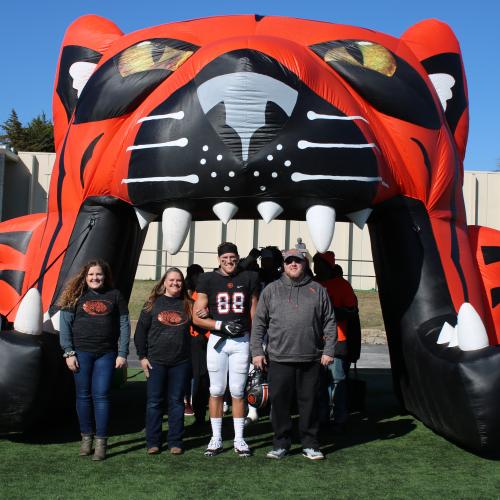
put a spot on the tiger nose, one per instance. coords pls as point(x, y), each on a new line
point(245, 96)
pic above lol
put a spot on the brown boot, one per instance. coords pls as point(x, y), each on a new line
point(101, 445)
point(86, 445)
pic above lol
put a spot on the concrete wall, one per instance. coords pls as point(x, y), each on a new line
point(26, 186)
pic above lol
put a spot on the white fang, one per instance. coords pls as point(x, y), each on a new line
point(321, 223)
point(29, 315)
point(269, 210)
point(225, 211)
point(192, 179)
point(143, 217)
point(445, 334)
point(181, 143)
point(471, 332)
point(360, 217)
point(312, 115)
point(179, 115)
point(175, 225)
point(328, 145)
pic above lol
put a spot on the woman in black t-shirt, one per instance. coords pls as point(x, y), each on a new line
point(94, 334)
point(162, 341)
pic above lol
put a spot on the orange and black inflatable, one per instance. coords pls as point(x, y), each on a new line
point(249, 116)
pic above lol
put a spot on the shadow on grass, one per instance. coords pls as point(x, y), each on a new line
point(128, 410)
point(383, 418)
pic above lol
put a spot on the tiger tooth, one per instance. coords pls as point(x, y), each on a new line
point(143, 217)
point(321, 223)
point(360, 217)
point(269, 210)
point(445, 334)
point(225, 211)
point(29, 315)
point(453, 337)
point(471, 332)
point(56, 321)
point(175, 225)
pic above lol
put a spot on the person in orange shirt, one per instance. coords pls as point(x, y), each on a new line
point(345, 304)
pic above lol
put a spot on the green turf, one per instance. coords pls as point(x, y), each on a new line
point(382, 454)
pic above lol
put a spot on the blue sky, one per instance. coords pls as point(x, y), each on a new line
point(32, 31)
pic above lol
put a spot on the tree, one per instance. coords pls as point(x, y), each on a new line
point(40, 134)
point(37, 136)
point(15, 134)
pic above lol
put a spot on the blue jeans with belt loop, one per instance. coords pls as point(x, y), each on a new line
point(93, 385)
point(166, 383)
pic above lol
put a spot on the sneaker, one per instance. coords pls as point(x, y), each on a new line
point(242, 449)
point(214, 447)
point(188, 410)
point(312, 454)
point(225, 408)
point(277, 453)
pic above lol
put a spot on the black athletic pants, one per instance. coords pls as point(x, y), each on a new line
point(288, 381)
point(201, 382)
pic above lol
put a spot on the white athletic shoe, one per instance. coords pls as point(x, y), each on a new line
point(312, 454)
point(214, 447)
point(242, 449)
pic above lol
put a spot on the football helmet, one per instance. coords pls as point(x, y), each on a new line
point(257, 389)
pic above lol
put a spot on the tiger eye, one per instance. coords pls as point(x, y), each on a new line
point(365, 54)
point(378, 58)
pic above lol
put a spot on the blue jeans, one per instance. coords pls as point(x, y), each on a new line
point(333, 392)
point(93, 384)
point(337, 389)
point(166, 383)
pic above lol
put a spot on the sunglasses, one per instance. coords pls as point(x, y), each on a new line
point(293, 259)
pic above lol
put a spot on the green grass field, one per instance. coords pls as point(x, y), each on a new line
point(382, 454)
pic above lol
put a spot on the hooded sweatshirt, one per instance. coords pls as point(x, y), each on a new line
point(298, 317)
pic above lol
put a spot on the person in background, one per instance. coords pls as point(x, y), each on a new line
point(192, 273)
point(297, 315)
point(94, 334)
point(162, 341)
point(199, 339)
point(345, 304)
point(271, 265)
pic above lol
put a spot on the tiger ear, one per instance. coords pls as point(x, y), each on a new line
point(438, 50)
point(85, 41)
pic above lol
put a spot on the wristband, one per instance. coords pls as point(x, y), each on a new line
point(69, 354)
point(218, 325)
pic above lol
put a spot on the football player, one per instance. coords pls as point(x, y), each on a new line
point(230, 294)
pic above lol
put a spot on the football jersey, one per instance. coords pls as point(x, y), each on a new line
point(229, 297)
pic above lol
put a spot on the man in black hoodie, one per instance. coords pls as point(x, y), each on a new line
point(298, 317)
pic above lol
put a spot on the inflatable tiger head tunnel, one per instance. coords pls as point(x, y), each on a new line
point(273, 117)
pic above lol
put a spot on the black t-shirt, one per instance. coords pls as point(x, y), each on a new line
point(162, 334)
point(96, 326)
point(229, 297)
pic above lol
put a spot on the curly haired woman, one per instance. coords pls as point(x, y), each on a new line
point(94, 334)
